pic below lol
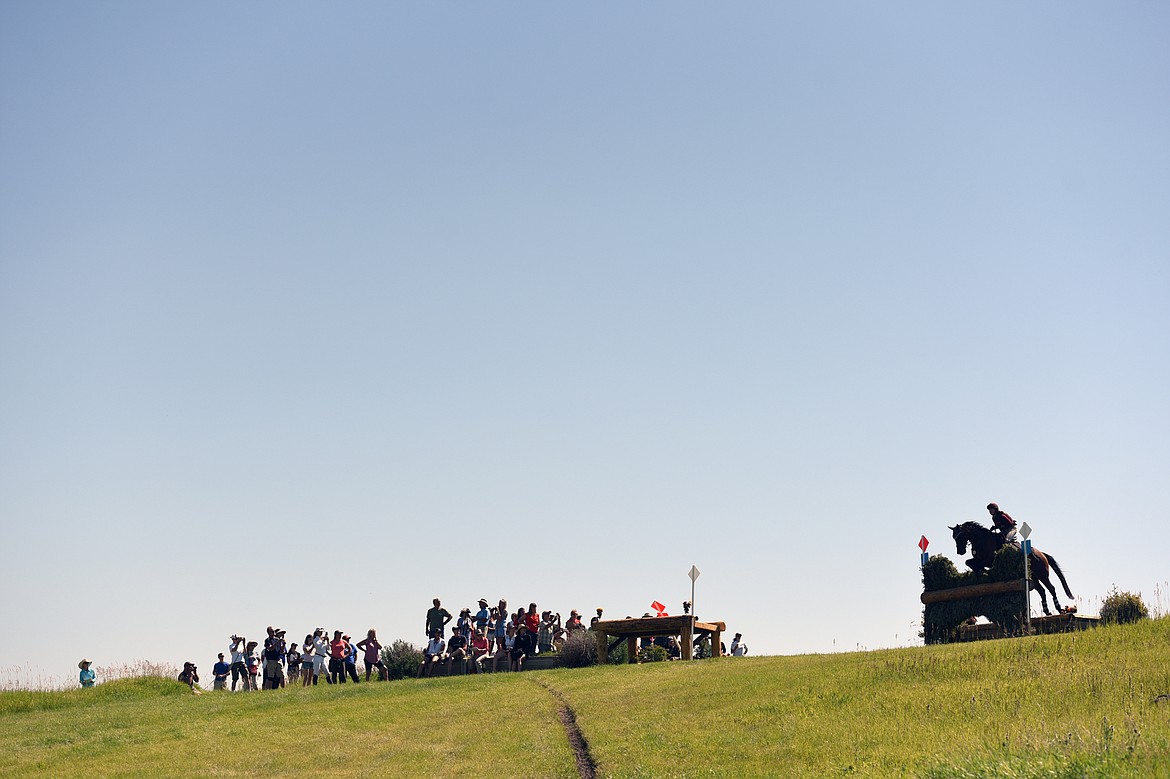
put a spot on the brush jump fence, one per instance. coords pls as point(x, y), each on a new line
point(952, 600)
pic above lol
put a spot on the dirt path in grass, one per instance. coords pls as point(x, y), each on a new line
point(586, 766)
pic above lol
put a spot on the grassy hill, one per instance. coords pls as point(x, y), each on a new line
point(1074, 705)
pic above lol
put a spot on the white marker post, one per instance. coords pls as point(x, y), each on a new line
point(1025, 531)
point(694, 574)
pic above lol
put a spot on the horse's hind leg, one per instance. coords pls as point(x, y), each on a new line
point(1055, 600)
point(1043, 600)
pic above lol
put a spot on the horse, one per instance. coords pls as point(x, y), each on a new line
point(986, 542)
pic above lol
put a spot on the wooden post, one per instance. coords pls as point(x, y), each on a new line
point(717, 640)
point(602, 647)
point(688, 633)
point(632, 649)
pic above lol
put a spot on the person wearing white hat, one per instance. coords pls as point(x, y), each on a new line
point(87, 677)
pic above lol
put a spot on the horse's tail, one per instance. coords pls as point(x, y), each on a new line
point(1056, 567)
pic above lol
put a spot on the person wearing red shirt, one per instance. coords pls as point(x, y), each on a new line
point(338, 649)
point(532, 620)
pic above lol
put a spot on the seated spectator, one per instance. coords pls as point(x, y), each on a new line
point(220, 673)
point(673, 649)
point(435, 651)
point(190, 676)
point(479, 650)
point(456, 650)
point(523, 647)
point(509, 643)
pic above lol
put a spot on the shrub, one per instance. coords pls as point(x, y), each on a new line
point(402, 659)
point(652, 654)
point(1122, 607)
point(579, 651)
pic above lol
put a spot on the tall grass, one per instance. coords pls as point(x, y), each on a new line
point(27, 678)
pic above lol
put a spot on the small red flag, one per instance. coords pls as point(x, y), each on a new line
point(923, 543)
point(659, 608)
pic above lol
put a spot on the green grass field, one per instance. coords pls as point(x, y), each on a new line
point(1074, 705)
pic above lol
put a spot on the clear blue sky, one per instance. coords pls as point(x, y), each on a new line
point(310, 313)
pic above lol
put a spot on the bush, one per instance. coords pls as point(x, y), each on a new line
point(579, 651)
point(1122, 607)
point(652, 654)
point(402, 659)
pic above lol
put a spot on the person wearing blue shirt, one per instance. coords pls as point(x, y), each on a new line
point(481, 616)
point(350, 661)
point(220, 672)
point(87, 677)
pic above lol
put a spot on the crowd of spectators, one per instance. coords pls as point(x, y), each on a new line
point(491, 633)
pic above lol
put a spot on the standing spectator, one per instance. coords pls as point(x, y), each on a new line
point(373, 658)
point(499, 622)
point(253, 660)
point(738, 647)
point(544, 633)
point(338, 650)
point(433, 653)
point(320, 654)
point(482, 616)
point(273, 657)
point(532, 622)
point(87, 677)
point(596, 619)
point(239, 661)
point(437, 618)
point(294, 663)
point(673, 649)
point(351, 660)
point(464, 625)
point(574, 625)
point(219, 673)
point(307, 661)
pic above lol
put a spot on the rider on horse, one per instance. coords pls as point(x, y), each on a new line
point(1003, 524)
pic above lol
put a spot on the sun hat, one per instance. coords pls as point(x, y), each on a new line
point(86, 661)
